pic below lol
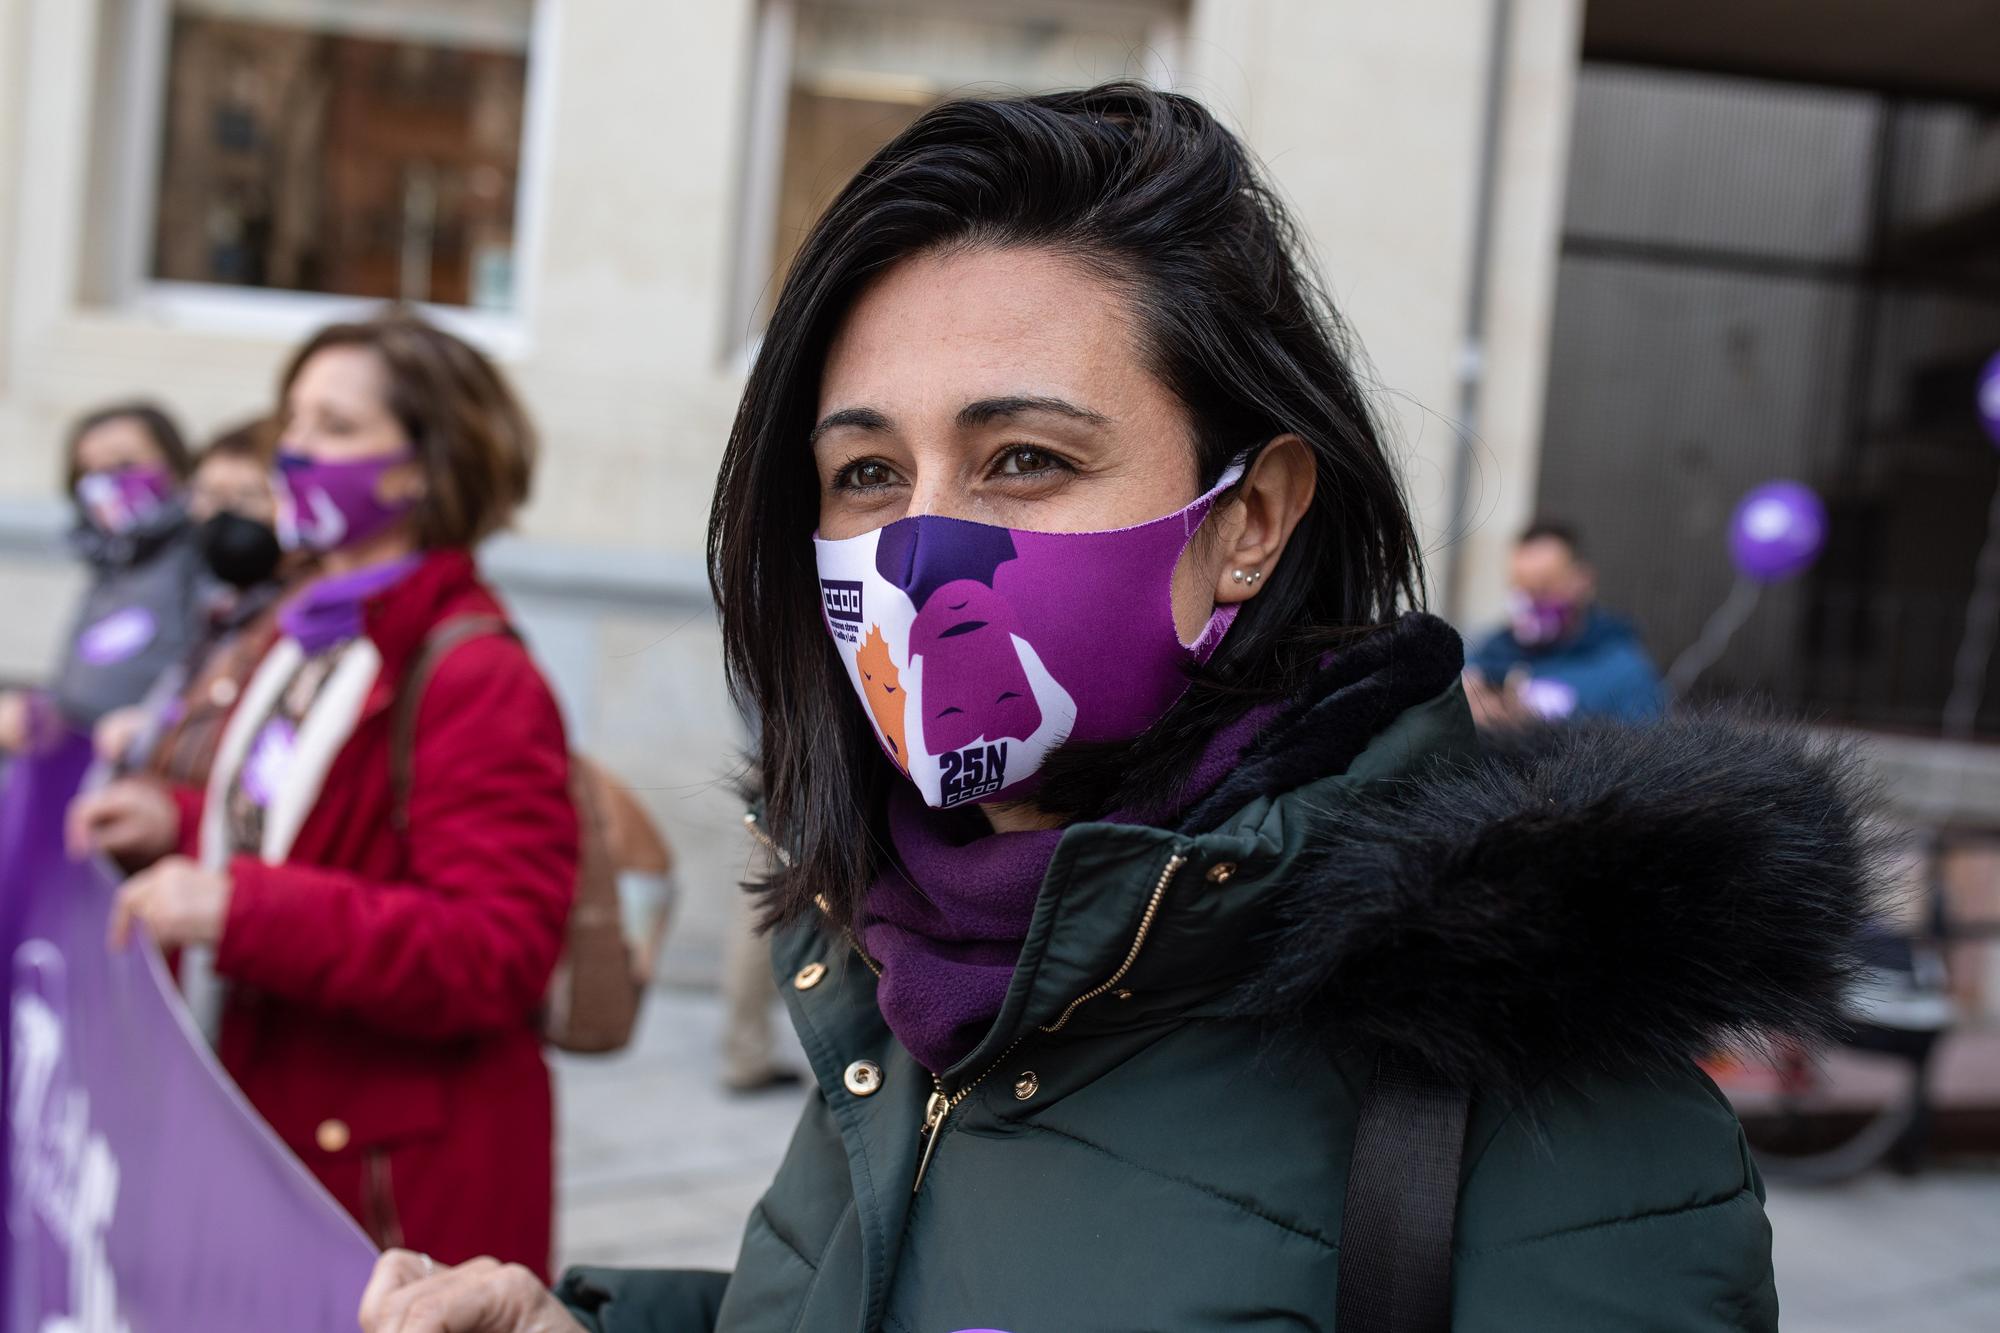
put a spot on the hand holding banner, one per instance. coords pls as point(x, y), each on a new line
point(143, 1194)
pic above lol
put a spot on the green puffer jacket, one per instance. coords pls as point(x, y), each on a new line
point(1156, 1132)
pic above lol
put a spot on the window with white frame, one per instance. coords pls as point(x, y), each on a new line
point(840, 78)
point(361, 148)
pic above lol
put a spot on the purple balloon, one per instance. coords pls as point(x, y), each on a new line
point(1777, 532)
point(1989, 397)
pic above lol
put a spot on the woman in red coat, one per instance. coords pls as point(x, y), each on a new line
point(381, 961)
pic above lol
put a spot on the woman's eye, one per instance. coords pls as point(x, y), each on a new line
point(863, 475)
point(1024, 460)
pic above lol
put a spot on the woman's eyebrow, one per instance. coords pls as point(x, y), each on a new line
point(987, 410)
point(860, 418)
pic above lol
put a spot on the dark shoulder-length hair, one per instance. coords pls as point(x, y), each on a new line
point(1147, 190)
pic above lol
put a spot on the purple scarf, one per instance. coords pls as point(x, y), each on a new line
point(328, 611)
point(946, 928)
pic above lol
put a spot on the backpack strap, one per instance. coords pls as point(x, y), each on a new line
point(1402, 1202)
point(437, 645)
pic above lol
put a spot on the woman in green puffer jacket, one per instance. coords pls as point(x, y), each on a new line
point(1168, 951)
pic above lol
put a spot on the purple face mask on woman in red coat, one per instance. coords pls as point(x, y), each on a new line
point(324, 506)
point(978, 650)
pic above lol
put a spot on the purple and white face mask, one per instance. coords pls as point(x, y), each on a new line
point(324, 506)
point(117, 502)
point(1536, 622)
point(978, 650)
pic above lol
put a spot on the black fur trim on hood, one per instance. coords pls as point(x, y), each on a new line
point(1358, 691)
point(1589, 896)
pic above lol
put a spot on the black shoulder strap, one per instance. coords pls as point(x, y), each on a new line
point(1402, 1201)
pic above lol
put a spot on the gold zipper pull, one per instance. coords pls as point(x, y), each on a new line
point(934, 1113)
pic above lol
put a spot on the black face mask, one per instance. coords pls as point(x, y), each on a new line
point(240, 551)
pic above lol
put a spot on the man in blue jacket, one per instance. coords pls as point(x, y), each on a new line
point(1560, 655)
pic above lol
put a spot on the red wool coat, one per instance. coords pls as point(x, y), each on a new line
point(383, 986)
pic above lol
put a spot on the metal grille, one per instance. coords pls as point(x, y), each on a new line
point(1764, 280)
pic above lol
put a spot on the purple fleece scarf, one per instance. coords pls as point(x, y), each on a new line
point(946, 927)
point(329, 610)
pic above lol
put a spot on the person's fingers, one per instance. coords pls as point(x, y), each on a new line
point(521, 1295)
point(123, 819)
point(108, 739)
point(457, 1300)
point(112, 831)
point(78, 820)
point(405, 1306)
point(486, 1296)
point(13, 720)
point(104, 820)
point(135, 903)
point(395, 1270)
point(127, 907)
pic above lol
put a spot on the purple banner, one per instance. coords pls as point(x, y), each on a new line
point(143, 1194)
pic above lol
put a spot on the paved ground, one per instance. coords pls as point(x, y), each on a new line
point(660, 1168)
point(1888, 1255)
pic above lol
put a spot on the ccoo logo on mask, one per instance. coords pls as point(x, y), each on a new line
point(842, 600)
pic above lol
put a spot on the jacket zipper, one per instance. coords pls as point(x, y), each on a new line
point(942, 1104)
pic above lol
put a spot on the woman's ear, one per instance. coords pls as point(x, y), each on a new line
point(405, 482)
point(1267, 506)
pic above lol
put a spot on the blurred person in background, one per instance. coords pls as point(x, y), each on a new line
point(174, 732)
point(1135, 850)
point(750, 1062)
point(126, 466)
point(384, 947)
point(1560, 655)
